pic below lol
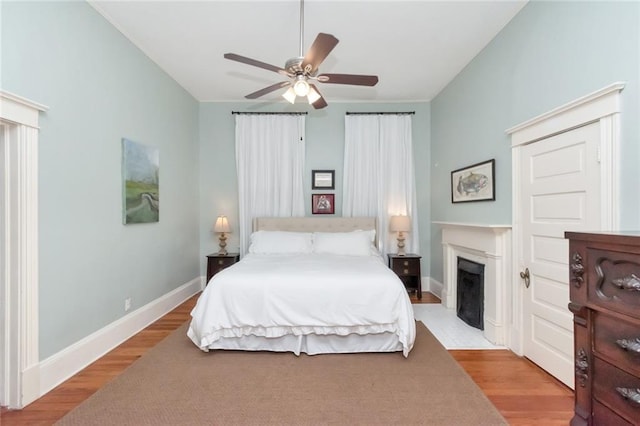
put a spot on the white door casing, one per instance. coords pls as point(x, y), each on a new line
point(560, 191)
point(19, 280)
point(3, 295)
point(602, 107)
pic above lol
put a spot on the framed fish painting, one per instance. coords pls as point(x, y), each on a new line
point(474, 183)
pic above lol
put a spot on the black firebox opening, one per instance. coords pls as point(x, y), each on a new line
point(470, 297)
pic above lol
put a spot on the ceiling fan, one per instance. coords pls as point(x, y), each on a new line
point(302, 71)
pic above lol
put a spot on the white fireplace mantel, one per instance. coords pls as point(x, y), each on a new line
point(489, 245)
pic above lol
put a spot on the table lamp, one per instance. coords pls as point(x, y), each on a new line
point(400, 224)
point(222, 227)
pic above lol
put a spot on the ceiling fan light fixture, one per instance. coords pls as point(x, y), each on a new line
point(290, 95)
point(304, 68)
point(313, 95)
point(301, 87)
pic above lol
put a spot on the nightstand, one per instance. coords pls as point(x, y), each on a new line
point(407, 268)
point(217, 262)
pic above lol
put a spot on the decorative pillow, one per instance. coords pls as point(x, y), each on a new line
point(280, 242)
point(355, 243)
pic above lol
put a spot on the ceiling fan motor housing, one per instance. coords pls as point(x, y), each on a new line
point(294, 67)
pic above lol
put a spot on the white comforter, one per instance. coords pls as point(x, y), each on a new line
point(322, 294)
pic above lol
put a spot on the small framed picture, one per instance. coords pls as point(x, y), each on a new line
point(323, 179)
point(474, 183)
point(322, 204)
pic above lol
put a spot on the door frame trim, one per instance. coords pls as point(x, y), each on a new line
point(603, 105)
point(19, 282)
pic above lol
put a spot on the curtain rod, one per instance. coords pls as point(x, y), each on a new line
point(382, 113)
point(267, 113)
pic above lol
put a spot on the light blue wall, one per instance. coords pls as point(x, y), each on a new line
point(100, 88)
point(549, 54)
point(324, 150)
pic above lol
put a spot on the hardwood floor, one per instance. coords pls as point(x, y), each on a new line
point(522, 392)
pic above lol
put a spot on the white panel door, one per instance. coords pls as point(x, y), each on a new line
point(560, 191)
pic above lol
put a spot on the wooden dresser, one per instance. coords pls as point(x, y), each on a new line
point(604, 272)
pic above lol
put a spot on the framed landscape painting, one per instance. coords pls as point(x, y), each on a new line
point(474, 183)
point(140, 183)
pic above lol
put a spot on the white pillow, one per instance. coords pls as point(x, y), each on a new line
point(371, 233)
point(280, 242)
point(355, 243)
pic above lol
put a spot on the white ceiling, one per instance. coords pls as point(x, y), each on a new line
point(415, 47)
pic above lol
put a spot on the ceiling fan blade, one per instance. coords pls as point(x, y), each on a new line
point(266, 90)
point(255, 63)
point(320, 102)
point(319, 50)
point(354, 79)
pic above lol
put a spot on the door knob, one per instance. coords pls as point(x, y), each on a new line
point(526, 277)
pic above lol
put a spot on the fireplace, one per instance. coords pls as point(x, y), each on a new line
point(490, 246)
point(470, 294)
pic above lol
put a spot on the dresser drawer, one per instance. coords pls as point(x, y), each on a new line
point(606, 380)
point(617, 340)
point(217, 262)
point(406, 266)
point(223, 262)
point(614, 281)
point(603, 416)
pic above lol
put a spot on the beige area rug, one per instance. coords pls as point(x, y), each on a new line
point(177, 384)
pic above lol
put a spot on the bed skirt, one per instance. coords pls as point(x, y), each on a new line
point(312, 344)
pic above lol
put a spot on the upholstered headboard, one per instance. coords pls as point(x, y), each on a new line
point(314, 224)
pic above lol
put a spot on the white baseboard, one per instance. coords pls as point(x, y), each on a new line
point(433, 286)
point(64, 364)
point(494, 332)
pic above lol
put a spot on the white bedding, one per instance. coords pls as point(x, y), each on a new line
point(355, 301)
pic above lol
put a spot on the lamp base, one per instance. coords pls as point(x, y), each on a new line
point(401, 251)
point(223, 244)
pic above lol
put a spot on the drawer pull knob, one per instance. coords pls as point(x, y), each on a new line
point(406, 271)
point(631, 282)
point(220, 262)
point(632, 345)
point(630, 394)
point(406, 263)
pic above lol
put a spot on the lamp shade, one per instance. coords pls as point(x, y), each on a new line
point(290, 95)
point(400, 224)
point(313, 95)
point(222, 224)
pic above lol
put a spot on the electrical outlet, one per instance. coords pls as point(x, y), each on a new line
point(127, 304)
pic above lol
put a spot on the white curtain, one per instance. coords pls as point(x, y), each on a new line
point(270, 152)
point(379, 178)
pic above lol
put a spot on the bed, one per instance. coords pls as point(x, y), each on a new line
point(308, 285)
